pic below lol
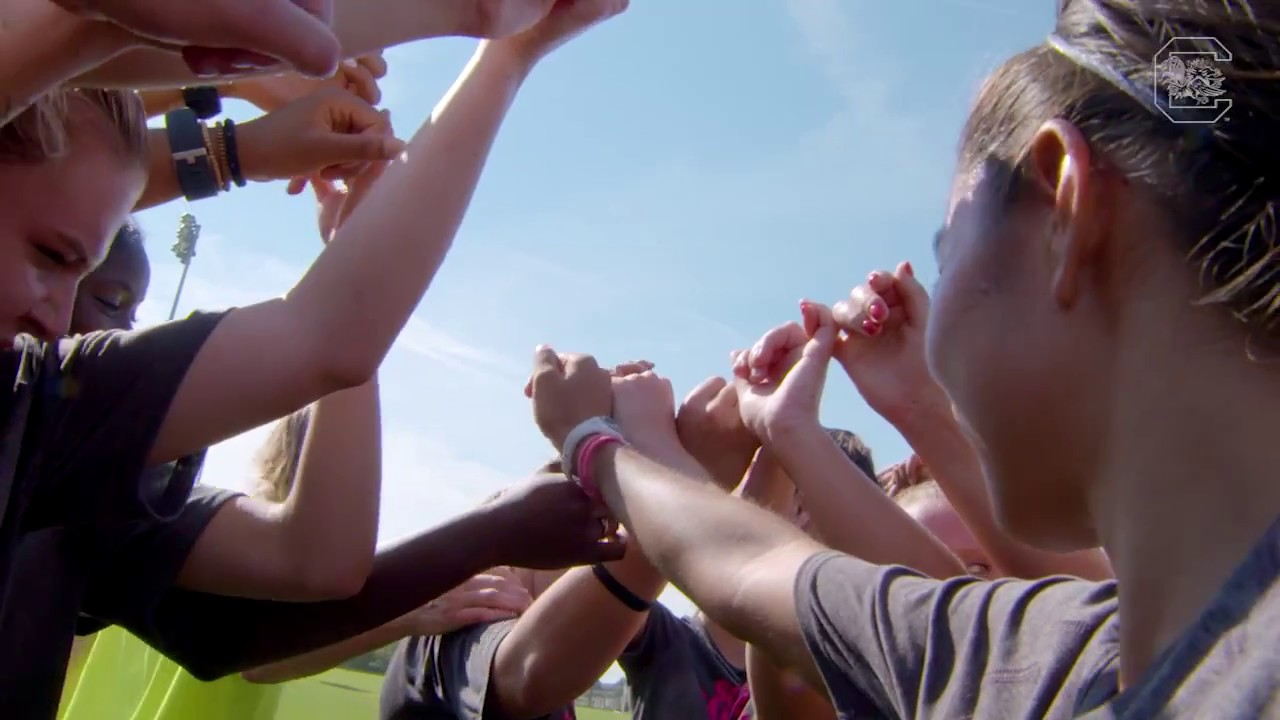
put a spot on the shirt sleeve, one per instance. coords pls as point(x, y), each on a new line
point(140, 562)
point(443, 675)
point(890, 642)
point(661, 630)
point(102, 398)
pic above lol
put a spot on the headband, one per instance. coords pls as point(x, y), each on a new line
point(1146, 97)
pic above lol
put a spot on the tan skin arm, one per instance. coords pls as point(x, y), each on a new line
point(333, 329)
point(319, 543)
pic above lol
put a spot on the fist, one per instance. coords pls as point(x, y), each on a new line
point(566, 390)
point(549, 523)
point(711, 429)
point(644, 407)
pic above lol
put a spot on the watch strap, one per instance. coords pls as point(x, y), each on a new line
point(191, 162)
point(203, 100)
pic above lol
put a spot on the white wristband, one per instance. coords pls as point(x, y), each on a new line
point(585, 429)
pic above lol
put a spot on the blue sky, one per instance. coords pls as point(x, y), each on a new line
point(667, 187)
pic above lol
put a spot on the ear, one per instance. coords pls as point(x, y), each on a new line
point(1062, 170)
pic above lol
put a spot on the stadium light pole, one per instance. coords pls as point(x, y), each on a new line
point(185, 250)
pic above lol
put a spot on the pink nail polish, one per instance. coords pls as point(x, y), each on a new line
point(878, 312)
point(869, 327)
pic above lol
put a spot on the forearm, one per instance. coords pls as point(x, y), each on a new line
point(953, 462)
point(362, 26)
point(162, 179)
point(569, 637)
point(851, 512)
point(159, 102)
point(358, 295)
point(329, 657)
point(779, 695)
point(330, 518)
point(698, 537)
point(216, 635)
point(42, 46)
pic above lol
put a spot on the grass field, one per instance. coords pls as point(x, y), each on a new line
point(349, 695)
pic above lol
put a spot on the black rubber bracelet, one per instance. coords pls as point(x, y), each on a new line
point(191, 162)
point(203, 100)
point(618, 590)
point(233, 152)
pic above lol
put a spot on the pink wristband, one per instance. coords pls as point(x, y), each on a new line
point(582, 464)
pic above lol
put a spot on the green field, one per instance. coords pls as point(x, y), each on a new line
point(348, 695)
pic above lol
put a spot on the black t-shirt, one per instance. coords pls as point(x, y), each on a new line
point(891, 643)
point(76, 427)
point(446, 677)
point(675, 672)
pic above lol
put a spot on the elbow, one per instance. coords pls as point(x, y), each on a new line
point(521, 697)
point(321, 582)
point(309, 577)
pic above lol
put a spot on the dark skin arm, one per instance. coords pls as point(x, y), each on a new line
point(546, 523)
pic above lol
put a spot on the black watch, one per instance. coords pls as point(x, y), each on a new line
point(204, 101)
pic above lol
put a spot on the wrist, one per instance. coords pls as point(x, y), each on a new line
point(923, 415)
point(248, 150)
point(506, 58)
point(782, 431)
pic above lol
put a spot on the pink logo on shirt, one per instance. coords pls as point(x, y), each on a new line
point(726, 701)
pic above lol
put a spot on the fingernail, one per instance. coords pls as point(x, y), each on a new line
point(878, 312)
point(351, 63)
point(869, 327)
point(906, 266)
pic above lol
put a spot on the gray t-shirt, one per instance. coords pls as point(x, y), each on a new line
point(890, 643)
point(677, 673)
point(446, 677)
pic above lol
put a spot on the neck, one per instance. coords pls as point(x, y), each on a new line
point(733, 649)
point(1188, 488)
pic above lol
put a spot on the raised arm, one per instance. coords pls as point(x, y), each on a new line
point(884, 323)
point(737, 562)
point(780, 383)
point(334, 328)
point(330, 131)
point(361, 26)
point(318, 543)
point(569, 637)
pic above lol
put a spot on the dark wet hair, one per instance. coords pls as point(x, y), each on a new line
point(1219, 182)
point(857, 450)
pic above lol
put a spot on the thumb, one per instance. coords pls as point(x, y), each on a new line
point(915, 299)
point(344, 148)
point(284, 30)
point(820, 326)
point(547, 367)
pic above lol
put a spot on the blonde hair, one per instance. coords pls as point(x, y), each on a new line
point(43, 131)
point(279, 456)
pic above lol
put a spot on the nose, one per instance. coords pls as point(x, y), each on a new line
point(51, 319)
